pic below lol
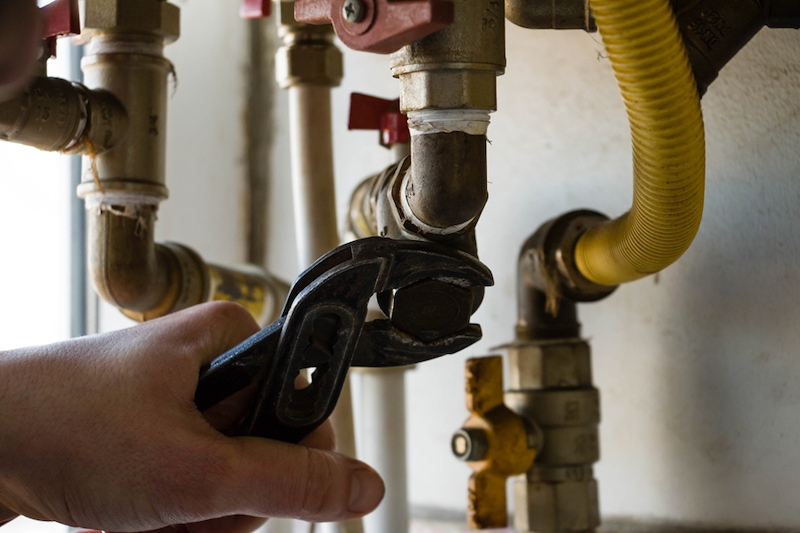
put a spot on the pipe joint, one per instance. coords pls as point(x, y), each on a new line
point(551, 15)
point(547, 261)
point(308, 55)
point(56, 115)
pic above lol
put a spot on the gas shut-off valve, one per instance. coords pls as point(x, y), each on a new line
point(495, 442)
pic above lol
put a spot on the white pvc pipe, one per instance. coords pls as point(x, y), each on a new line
point(315, 219)
point(383, 444)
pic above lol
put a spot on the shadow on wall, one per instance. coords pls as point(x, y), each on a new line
point(733, 371)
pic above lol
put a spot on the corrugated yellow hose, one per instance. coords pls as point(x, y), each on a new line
point(660, 94)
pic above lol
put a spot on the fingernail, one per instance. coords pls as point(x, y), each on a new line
point(366, 491)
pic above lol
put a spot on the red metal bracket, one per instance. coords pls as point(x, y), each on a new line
point(382, 26)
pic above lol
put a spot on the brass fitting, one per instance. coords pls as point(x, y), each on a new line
point(456, 67)
point(308, 55)
point(448, 88)
point(153, 17)
point(495, 442)
point(126, 183)
point(551, 384)
point(55, 115)
point(547, 261)
point(551, 14)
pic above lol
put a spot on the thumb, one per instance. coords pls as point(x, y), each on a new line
point(271, 478)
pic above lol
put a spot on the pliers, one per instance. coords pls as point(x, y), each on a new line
point(323, 327)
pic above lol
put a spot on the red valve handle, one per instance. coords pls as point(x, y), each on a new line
point(255, 9)
point(60, 18)
point(381, 26)
point(372, 113)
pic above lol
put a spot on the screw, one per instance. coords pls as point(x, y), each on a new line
point(353, 11)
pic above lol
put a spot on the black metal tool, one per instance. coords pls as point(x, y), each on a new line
point(323, 327)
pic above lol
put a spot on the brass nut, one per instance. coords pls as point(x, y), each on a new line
point(556, 507)
point(557, 407)
point(314, 63)
point(146, 16)
point(548, 364)
point(448, 89)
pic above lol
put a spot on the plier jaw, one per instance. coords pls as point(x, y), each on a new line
point(323, 326)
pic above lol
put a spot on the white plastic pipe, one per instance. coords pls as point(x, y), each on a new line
point(315, 219)
point(383, 444)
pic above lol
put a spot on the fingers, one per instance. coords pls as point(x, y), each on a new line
point(269, 478)
point(226, 524)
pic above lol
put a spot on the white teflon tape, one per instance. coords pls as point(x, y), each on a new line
point(470, 121)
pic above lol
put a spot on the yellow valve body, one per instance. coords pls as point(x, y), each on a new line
point(508, 452)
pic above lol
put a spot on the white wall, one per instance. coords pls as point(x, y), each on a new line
point(699, 369)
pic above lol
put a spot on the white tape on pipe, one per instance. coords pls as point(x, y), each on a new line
point(470, 121)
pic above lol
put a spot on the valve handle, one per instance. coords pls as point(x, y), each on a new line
point(379, 26)
point(60, 18)
point(373, 113)
point(255, 9)
point(495, 442)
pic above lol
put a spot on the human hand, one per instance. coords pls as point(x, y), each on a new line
point(102, 432)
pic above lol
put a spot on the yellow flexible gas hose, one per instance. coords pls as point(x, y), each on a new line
point(652, 69)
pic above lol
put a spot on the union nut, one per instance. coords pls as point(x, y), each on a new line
point(431, 309)
point(556, 507)
point(145, 16)
point(549, 364)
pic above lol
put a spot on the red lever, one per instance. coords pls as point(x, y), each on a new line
point(371, 113)
point(380, 26)
point(255, 9)
point(60, 18)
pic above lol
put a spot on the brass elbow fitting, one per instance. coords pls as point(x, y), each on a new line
point(448, 88)
point(56, 115)
point(140, 277)
point(547, 263)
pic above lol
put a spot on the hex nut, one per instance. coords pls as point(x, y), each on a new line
point(448, 89)
point(549, 365)
point(430, 309)
point(556, 507)
point(148, 16)
point(315, 63)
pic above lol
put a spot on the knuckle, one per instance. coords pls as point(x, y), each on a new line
point(320, 497)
